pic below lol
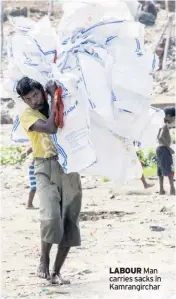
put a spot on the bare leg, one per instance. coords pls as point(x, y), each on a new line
point(146, 185)
point(172, 187)
point(30, 199)
point(43, 269)
point(161, 183)
point(59, 261)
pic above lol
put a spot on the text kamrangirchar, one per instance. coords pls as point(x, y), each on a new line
point(139, 287)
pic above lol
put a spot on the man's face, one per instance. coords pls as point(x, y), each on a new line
point(35, 99)
point(170, 119)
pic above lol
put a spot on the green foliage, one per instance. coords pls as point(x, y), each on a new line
point(10, 155)
point(150, 171)
point(172, 133)
point(149, 159)
point(141, 156)
point(105, 180)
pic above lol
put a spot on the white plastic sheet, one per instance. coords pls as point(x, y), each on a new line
point(74, 137)
point(105, 72)
point(115, 155)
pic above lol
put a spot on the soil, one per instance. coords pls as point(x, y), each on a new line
point(130, 227)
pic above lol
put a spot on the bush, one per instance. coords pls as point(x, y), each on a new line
point(149, 159)
point(172, 133)
point(10, 155)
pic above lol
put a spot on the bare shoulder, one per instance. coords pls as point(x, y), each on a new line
point(162, 131)
point(164, 128)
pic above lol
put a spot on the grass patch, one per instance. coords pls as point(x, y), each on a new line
point(10, 155)
point(150, 171)
point(105, 180)
point(172, 133)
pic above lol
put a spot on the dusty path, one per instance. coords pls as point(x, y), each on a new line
point(116, 232)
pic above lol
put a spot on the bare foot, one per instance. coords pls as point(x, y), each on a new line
point(58, 279)
point(31, 208)
point(43, 269)
point(172, 191)
point(148, 186)
point(162, 192)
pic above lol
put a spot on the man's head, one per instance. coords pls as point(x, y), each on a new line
point(169, 114)
point(148, 2)
point(32, 93)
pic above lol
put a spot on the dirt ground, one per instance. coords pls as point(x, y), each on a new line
point(116, 232)
point(115, 227)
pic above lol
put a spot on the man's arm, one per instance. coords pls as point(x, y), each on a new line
point(29, 151)
point(162, 138)
point(26, 153)
point(47, 126)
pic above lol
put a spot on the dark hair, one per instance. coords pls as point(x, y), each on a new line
point(26, 85)
point(169, 111)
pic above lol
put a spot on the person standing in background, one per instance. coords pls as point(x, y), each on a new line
point(32, 180)
point(164, 152)
point(148, 13)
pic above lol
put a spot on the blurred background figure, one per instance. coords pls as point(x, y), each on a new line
point(148, 13)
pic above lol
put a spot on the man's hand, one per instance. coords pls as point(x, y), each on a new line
point(172, 151)
point(51, 88)
point(23, 155)
point(26, 153)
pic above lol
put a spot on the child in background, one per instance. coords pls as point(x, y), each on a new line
point(18, 136)
point(32, 179)
point(164, 152)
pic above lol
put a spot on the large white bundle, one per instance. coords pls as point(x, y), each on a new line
point(148, 136)
point(22, 24)
point(74, 137)
point(35, 54)
point(47, 49)
point(104, 70)
point(115, 155)
point(82, 16)
point(18, 133)
point(99, 90)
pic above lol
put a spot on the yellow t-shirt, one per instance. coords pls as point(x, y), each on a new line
point(42, 145)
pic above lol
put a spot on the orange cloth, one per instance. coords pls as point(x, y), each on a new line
point(58, 108)
point(58, 104)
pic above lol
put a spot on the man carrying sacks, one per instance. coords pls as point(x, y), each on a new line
point(60, 194)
